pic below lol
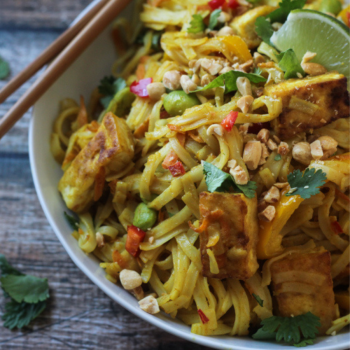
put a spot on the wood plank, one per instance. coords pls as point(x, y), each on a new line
point(79, 314)
point(39, 14)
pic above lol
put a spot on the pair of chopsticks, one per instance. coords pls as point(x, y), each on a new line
point(67, 48)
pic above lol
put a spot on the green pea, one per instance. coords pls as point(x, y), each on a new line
point(177, 102)
point(144, 217)
point(331, 6)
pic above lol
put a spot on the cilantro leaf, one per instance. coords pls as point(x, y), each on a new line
point(289, 63)
point(229, 81)
point(216, 179)
point(4, 69)
point(213, 20)
point(27, 288)
point(197, 24)
point(219, 181)
point(263, 335)
point(290, 329)
point(73, 223)
point(21, 314)
point(286, 6)
point(156, 40)
point(109, 86)
point(258, 299)
point(264, 29)
point(306, 184)
point(304, 343)
point(277, 157)
point(7, 269)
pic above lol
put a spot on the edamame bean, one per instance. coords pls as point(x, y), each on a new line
point(177, 102)
point(144, 217)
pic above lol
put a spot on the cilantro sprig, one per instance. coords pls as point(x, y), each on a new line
point(299, 330)
point(229, 81)
point(219, 181)
point(213, 20)
point(28, 295)
point(306, 184)
point(197, 25)
point(108, 87)
point(290, 64)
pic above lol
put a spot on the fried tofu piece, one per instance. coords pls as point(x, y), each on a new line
point(302, 282)
point(231, 233)
point(326, 96)
point(110, 150)
point(244, 25)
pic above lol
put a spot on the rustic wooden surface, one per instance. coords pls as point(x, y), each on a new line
point(79, 315)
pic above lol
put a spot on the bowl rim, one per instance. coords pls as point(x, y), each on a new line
point(168, 327)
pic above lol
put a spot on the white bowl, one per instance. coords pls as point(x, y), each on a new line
point(81, 78)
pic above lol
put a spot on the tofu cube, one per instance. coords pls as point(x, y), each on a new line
point(112, 148)
point(231, 232)
point(302, 282)
point(328, 94)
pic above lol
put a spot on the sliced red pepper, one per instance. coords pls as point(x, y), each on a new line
point(134, 238)
point(233, 4)
point(215, 4)
point(139, 88)
point(342, 195)
point(337, 229)
point(177, 169)
point(203, 316)
point(117, 257)
point(229, 121)
point(348, 18)
point(256, 127)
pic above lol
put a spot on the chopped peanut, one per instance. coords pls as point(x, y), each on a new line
point(267, 214)
point(149, 304)
point(211, 66)
point(272, 195)
point(263, 135)
point(225, 31)
point(187, 84)
point(281, 184)
point(271, 145)
point(302, 153)
point(243, 129)
point(264, 154)
point(226, 70)
point(206, 79)
point(138, 293)
point(224, 17)
point(262, 205)
point(155, 91)
point(232, 163)
point(244, 87)
point(252, 154)
point(316, 150)
point(195, 79)
point(329, 146)
point(240, 176)
point(245, 102)
point(258, 58)
point(312, 68)
point(130, 279)
point(171, 80)
point(245, 67)
point(283, 149)
point(100, 239)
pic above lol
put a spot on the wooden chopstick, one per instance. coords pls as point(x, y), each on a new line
point(49, 53)
point(62, 62)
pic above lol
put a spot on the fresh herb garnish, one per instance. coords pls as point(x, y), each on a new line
point(156, 40)
point(290, 64)
point(213, 20)
point(73, 223)
point(304, 343)
point(229, 81)
point(197, 25)
point(108, 87)
point(219, 181)
point(306, 184)
point(263, 25)
point(277, 157)
point(28, 295)
point(4, 69)
point(258, 299)
point(289, 329)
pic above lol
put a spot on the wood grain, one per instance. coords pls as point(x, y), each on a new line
point(79, 315)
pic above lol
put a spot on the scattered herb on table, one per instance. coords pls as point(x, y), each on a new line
point(28, 295)
point(4, 69)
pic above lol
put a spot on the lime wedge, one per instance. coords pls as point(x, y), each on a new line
point(308, 30)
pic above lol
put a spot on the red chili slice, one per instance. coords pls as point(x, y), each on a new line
point(233, 4)
point(177, 169)
point(348, 18)
point(215, 4)
point(256, 127)
point(337, 229)
point(139, 88)
point(134, 238)
point(229, 121)
point(203, 316)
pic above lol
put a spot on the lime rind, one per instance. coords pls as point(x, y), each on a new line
point(309, 30)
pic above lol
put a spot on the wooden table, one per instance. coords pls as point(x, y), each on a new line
point(79, 315)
